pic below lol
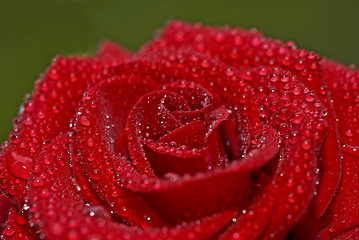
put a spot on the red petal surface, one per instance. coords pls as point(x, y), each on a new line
point(241, 49)
point(343, 84)
point(4, 209)
point(112, 52)
point(253, 221)
point(176, 140)
point(156, 141)
point(55, 193)
point(188, 197)
point(17, 227)
point(350, 234)
point(99, 122)
point(43, 117)
point(109, 89)
point(284, 103)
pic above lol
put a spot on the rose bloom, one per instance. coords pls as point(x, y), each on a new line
point(204, 133)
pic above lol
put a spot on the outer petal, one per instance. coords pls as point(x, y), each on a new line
point(110, 51)
point(43, 117)
point(350, 234)
point(253, 221)
point(17, 227)
point(78, 220)
point(343, 214)
point(98, 126)
point(4, 210)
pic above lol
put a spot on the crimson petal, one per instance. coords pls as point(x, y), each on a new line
point(252, 222)
point(242, 49)
point(4, 209)
point(350, 234)
point(99, 122)
point(43, 117)
point(175, 140)
point(192, 196)
point(110, 51)
point(284, 103)
point(17, 227)
point(79, 220)
point(344, 211)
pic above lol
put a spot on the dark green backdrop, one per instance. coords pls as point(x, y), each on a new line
point(34, 31)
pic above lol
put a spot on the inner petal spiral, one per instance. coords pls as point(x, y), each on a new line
point(178, 129)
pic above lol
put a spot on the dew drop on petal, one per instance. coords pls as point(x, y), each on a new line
point(20, 166)
point(85, 121)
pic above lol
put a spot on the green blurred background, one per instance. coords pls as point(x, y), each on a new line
point(34, 31)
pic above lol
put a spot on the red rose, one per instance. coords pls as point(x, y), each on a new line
point(205, 133)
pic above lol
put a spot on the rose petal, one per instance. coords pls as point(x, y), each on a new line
point(43, 117)
point(241, 49)
point(80, 221)
point(4, 209)
point(212, 76)
point(350, 234)
point(151, 118)
point(17, 227)
point(284, 103)
point(252, 222)
point(171, 142)
point(110, 51)
point(191, 197)
point(99, 121)
point(166, 158)
point(344, 211)
point(143, 71)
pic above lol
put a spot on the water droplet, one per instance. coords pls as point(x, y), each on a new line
point(297, 91)
point(95, 175)
point(90, 142)
point(8, 231)
point(29, 107)
point(60, 161)
point(297, 118)
point(291, 198)
point(20, 166)
point(299, 65)
point(309, 98)
point(229, 72)
point(306, 145)
point(85, 121)
point(28, 121)
point(349, 133)
point(38, 182)
point(323, 91)
point(15, 139)
point(331, 229)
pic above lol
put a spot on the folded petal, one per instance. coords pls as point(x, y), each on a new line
point(54, 194)
point(98, 124)
point(240, 48)
point(343, 214)
point(283, 102)
point(46, 114)
point(18, 227)
point(184, 198)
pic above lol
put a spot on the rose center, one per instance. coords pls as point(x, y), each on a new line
point(177, 130)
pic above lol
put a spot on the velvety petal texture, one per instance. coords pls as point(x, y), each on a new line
point(204, 133)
